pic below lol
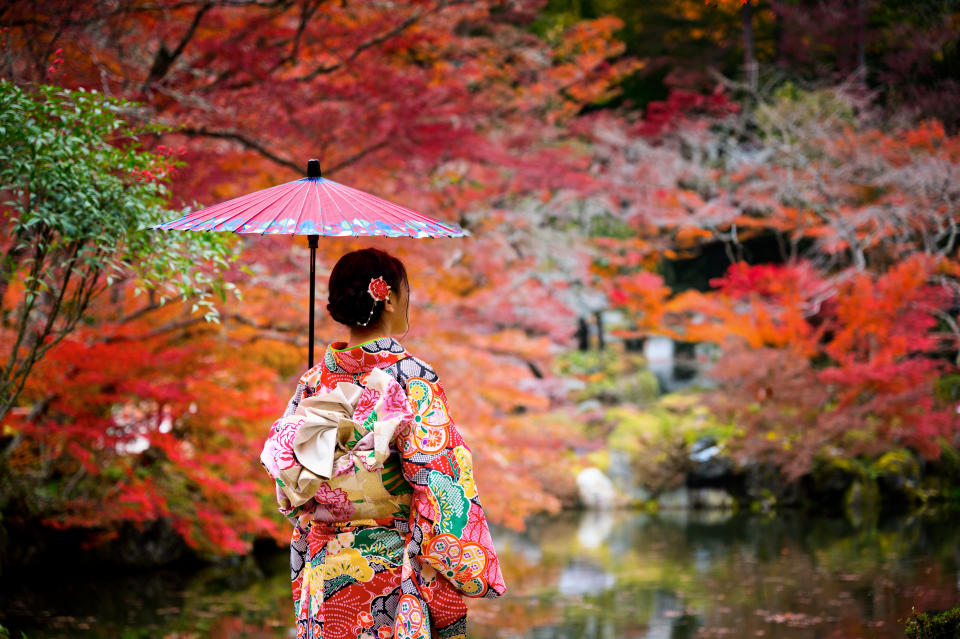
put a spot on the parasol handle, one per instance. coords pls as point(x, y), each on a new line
point(313, 272)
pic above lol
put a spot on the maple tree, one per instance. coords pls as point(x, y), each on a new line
point(907, 54)
point(76, 191)
point(426, 99)
point(472, 111)
point(449, 107)
point(847, 343)
point(121, 434)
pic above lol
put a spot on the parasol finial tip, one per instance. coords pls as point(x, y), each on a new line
point(313, 169)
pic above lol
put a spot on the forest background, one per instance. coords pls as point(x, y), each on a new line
point(778, 179)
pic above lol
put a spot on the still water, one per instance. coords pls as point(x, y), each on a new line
point(577, 575)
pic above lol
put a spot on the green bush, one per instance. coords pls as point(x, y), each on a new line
point(934, 625)
point(78, 193)
point(657, 438)
point(612, 375)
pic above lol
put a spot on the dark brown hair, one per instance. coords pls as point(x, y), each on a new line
point(349, 302)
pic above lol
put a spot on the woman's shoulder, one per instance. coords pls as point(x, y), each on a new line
point(311, 376)
point(410, 367)
point(324, 372)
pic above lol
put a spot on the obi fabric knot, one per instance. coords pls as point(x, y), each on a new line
point(334, 434)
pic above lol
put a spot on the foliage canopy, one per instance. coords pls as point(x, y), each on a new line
point(78, 191)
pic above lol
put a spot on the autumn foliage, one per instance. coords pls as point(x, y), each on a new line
point(835, 305)
point(846, 343)
point(148, 412)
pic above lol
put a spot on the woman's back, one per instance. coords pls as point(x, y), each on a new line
point(389, 548)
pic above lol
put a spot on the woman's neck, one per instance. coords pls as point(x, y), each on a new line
point(358, 337)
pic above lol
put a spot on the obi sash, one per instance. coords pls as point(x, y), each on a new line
point(321, 452)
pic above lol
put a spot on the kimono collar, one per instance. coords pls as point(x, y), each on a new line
point(375, 353)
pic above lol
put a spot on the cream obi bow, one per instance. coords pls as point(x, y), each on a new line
point(311, 446)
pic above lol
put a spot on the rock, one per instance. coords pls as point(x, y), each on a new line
point(595, 528)
point(860, 502)
point(829, 486)
point(844, 485)
point(589, 405)
point(898, 475)
point(710, 467)
point(596, 489)
point(710, 499)
point(763, 484)
point(704, 455)
point(678, 498)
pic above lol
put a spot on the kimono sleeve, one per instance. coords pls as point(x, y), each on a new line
point(446, 516)
point(291, 513)
point(301, 392)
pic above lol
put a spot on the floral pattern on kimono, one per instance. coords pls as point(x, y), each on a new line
point(405, 574)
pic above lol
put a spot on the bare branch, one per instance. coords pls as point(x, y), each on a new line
point(366, 44)
point(245, 141)
point(306, 13)
point(356, 157)
point(266, 331)
point(160, 330)
point(152, 306)
point(253, 145)
point(164, 59)
point(246, 321)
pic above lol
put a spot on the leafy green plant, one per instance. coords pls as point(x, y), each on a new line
point(934, 625)
point(612, 375)
point(77, 195)
point(658, 437)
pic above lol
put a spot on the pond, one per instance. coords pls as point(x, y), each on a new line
point(676, 575)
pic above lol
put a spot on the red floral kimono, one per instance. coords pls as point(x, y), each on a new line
point(392, 559)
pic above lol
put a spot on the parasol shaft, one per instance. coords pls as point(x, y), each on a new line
point(313, 274)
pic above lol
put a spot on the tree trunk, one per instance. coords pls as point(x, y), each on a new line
point(598, 316)
point(582, 334)
point(861, 41)
point(749, 54)
point(778, 36)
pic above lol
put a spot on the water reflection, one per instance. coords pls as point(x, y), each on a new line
point(580, 575)
point(682, 574)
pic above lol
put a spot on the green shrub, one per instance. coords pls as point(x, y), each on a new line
point(934, 625)
point(78, 195)
point(612, 375)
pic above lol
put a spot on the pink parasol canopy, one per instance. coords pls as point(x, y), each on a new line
point(313, 206)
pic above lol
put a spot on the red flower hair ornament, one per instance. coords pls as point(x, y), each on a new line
point(379, 290)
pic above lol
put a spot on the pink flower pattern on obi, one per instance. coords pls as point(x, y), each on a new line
point(283, 437)
point(335, 501)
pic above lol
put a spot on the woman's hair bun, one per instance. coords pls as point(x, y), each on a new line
point(348, 301)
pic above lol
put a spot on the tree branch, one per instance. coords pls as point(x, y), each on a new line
point(243, 140)
point(164, 59)
point(152, 306)
point(366, 44)
point(126, 8)
point(269, 331)
point(253, 145)
point(160, 330)
point(246, 321)
point(309, 8)
point(356, 157)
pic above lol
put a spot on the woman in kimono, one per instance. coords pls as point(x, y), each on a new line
point(390, 545)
